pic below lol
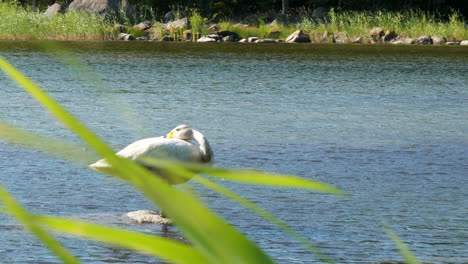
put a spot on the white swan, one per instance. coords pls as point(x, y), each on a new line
point(175, 146)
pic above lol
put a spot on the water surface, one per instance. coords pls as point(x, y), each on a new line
point(388, 124)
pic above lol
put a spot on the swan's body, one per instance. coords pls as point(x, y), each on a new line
point(175, 146)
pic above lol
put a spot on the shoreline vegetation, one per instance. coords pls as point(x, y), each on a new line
point(331, 26)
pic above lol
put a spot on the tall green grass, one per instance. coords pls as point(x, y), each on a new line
point(261, 31)
point(18, 23)
point(412, 23)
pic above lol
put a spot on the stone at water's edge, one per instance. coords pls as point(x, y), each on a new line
point(425, 40)
point(376, 34)
point(298, 36)
point(436, 40)
point(252, 39)
point(125, 36)
point(266, 41)
point(402, 40)
point(390, 35)
point(340, 37)
point(148, 217)
point(142, 26)
point(206, 39)
point(464, 43)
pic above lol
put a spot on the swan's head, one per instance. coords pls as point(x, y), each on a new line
point(183, 132)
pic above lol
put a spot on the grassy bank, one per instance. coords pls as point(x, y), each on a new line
point(19, 23)
point(410, 23)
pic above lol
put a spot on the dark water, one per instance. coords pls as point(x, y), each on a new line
point(388, 124)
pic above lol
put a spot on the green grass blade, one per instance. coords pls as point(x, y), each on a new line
point(272, 179)
point(56, 109)
point(28, 220)
point(265, 214)
point(164, 248)
point(249, 176)
point(404, 250)
point(197, 222)
point(49, 145)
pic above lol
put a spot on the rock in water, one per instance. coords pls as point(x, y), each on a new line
point(148, 217)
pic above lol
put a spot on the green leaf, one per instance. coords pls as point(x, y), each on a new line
point(25, 218)
point(265, 214)
point(49, 145)
point(247, 176)
point(404, 250)
point(157, 246)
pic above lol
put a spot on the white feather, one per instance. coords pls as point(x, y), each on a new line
point(176, 146)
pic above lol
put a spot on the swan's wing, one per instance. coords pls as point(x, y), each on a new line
point(174, 149)
point(140, 147)
point(159, 148)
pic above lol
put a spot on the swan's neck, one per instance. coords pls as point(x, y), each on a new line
point(205, 149)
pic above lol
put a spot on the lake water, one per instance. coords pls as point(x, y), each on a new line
point(388, 124)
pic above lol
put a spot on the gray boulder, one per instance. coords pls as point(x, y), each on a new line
point(464, 43)
point(402, 40)
point(125, 36)
point(357, 40)
point(206, 39)
point(424, 40)
point(226, 33)
point(266, 41)
point(173, 15)
point(252, 39)
point(436, 40)
point(453, 43)
point(120, 28)
point(102, 7)
point(229, 38)
point(298, 36)
point(54, 10)
point(167, 38)
point(177, 24)
point(390, 35)
point(340, 37)
point(327, 37)
point(142, 26)
point(376, 33)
